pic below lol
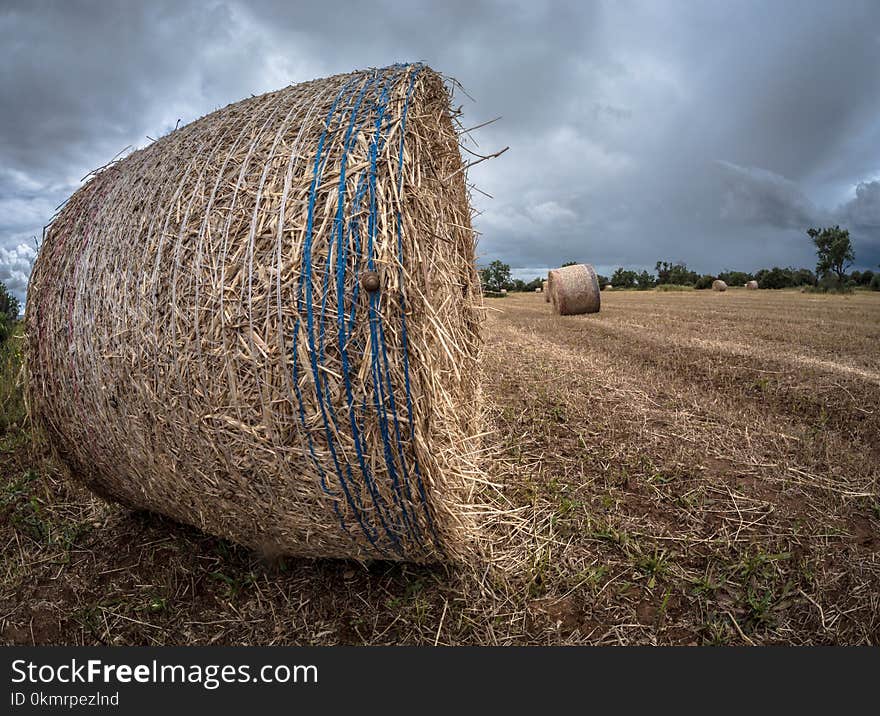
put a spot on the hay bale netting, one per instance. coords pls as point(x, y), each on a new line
point(719, 285)
point(545, 291)
point(266, 323)
point(574, 290)
point(752, 285)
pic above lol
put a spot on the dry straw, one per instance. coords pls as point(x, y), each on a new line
point(574, 290)
point(719, 285)
point(206, 340)
point(752, 285)
point(545, 291)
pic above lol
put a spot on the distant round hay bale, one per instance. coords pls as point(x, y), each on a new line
point(607, 287)
point(719, 285)
point(544, 288)
point(538, 289)
point(752, 285)
point(574, 290)
point(266, 323)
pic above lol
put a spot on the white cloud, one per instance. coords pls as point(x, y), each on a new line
point(15, 267)
point(864, 210)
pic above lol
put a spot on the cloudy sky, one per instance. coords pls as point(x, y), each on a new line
point(709, 132)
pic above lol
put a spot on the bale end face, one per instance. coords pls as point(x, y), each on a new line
point(752, 285)
point(719, 285)
point(574, 290)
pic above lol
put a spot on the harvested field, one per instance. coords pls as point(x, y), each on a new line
point(695, 467)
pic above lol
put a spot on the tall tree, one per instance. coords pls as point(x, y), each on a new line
point(496, 276)
point(675, 273)
point(623, 278)
point(834, 249)
point(645, 280)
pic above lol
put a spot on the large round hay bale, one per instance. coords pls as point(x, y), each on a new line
point(752, 285)
point(719, 285)
point(266, 323)
point(574, 290)
point(545, 291)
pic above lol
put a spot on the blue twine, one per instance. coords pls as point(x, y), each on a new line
point(378, 502)
point(383, 392)
point(384, 402)
point(295, 374)
point(306, 282)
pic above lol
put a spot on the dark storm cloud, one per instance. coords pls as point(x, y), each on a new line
point(709, 132)
point(758, 196)
point(863, 212)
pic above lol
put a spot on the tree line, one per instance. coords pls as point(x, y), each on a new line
point(834, 253)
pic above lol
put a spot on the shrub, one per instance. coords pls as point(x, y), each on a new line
point(675, 273)
point(622, 278)
point(12, 412)
point(735, 278)
point(9, 307)
point(645, 281)
point(785, 277)
point(830, 283)
point(673, 287)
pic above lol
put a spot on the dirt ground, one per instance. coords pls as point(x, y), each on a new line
point(691, 467)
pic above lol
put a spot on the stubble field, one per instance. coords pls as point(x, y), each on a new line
point(686, 467)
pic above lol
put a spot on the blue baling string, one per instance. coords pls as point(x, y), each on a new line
point(377, 342)
point(411, 522)
point(339, 224)
point(306, 282)
point(384, 401)
point(295, 370)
